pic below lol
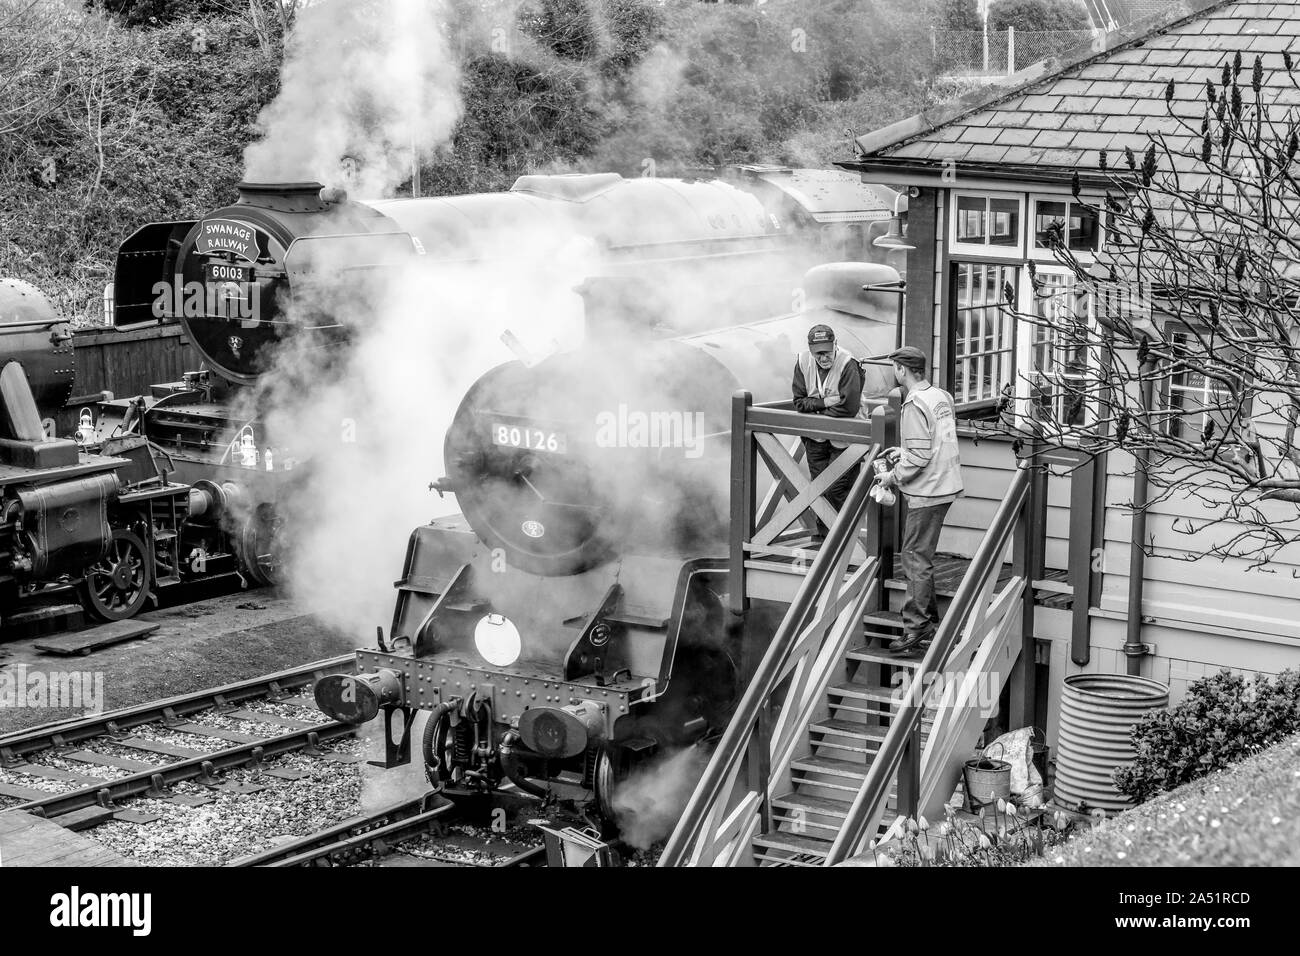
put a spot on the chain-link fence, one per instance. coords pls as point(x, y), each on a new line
point(976, 53)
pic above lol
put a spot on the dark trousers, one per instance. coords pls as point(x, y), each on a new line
point(820, 454)
point(920, 541)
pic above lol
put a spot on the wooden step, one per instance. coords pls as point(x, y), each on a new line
point(881, 655)
point(799, 822)
point(853, 769)
point(883, 618)
point(794, 843)
point(770, 857)
point(814, 805)
point(875, 692)
point(850, 728)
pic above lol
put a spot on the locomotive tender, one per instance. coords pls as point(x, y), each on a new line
point(570, 624)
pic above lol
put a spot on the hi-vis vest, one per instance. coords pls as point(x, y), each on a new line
point(941, 477)
point(818, 388)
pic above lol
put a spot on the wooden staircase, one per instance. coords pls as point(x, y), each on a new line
point(826, 741)
point(840, 747)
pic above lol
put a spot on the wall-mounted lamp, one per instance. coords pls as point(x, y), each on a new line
point(894, 239)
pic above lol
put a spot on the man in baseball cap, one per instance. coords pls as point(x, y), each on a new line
point(827, 381)
point(928, 472)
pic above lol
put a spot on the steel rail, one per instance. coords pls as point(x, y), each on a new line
point(16, 745)
point(393, 824)
point(397, 821)
point(105, 792)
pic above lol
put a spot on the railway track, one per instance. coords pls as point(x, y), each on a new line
point(373, 835)
point(99, 742)
point(92, 799)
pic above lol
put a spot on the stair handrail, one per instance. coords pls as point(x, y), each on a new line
point(986, 561)
point(771, 670)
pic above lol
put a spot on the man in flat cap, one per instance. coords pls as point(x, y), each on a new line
point(827, 381)
point(927, 471)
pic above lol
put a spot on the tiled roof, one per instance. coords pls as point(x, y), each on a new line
point(1055, 119)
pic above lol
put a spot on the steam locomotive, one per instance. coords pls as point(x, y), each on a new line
point(242, 282)
point(100, 517)
point(570, 624)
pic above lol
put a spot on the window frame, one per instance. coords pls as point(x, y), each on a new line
point(1167, 388)
point(965, 250)
point(980, 406)
point(1028, 379)
point(1037, 252)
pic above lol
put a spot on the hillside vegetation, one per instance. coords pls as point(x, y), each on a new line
point(124, 112)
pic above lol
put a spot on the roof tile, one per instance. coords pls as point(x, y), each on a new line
point(1048, 120)
point(1163, 57)
point(1078, 104)
point(1020, 156)
point(1275, 44)
point(1084, 121)
point(1053, 138)
point(1205, 42)
point(979, 134)
point(1127, 124)
point(949, 151)
point(1036, 103)
point(1016, 136)
point(992, 154)
point(1147, 89)
point(1113, 106)
point(1097, 141)
point(1106, 88)
point(1149, 107)
point(1071, 87)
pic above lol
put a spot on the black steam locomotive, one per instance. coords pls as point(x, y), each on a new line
point(570, 624)
point(242, 282)
point(103, 516)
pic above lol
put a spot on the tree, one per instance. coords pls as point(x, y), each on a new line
point(1180, 345)
point(957, 15)
point(1038, 15)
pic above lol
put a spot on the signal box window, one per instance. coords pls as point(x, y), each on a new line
point(1195, 399)
point(984, 331)
point(1058, 374)
point(1075, 223)
point(988, 224)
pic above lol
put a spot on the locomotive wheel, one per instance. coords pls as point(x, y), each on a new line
point(609, 773)
point(116, 587)
point(440, 745)
point(258, 546)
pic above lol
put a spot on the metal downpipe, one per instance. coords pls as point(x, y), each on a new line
point(1134, 648)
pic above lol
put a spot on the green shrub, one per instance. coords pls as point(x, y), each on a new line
point(1223, 719)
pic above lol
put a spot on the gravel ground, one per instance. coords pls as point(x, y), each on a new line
point(1248, 815)
point(235, 825)
point(216, 641)
point(464, 845)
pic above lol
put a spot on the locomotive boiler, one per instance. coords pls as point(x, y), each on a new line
point(569, 625)
point(35, 337)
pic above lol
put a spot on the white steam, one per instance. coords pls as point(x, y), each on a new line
point(364, 82)
point(371, 426)
point(648, 804)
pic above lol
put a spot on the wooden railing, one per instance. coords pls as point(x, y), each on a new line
point(973, 636)
point(724, 814)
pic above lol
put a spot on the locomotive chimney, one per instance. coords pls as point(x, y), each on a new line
point(285, 197)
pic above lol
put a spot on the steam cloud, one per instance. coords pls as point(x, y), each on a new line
point(650, 802)
point(364, 81)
